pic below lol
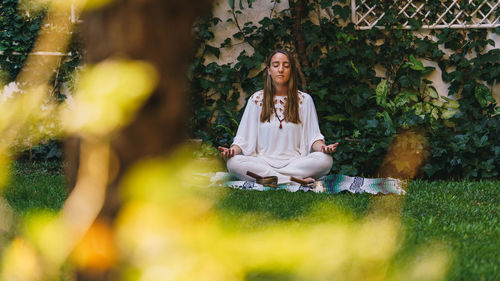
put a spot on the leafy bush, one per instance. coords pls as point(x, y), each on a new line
point(42, 152)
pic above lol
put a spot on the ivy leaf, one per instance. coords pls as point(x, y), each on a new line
point(226, 43)
point(438, 103)
point(238, 35)
point(212, 50)
point(419, 109)
point(451, 103)
point(483, 95)
point(381, 93)
point(428, 70)
point(448, 113)
point(416, 64)
point(431, 92)
point(231, 4)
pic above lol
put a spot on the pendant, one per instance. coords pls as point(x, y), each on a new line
point(281, 126)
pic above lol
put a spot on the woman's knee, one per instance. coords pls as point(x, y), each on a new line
point(324, 161)
point(234, 163)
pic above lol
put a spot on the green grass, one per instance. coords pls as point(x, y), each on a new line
point(35, 186)
point(461, 215)
point(464, 216)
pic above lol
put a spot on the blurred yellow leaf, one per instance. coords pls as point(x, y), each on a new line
point(20, 262)
point(46, 231)
point(108, 95)
point(4, 169)
point(95, 4)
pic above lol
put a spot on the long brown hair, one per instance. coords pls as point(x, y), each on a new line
point(292, 105)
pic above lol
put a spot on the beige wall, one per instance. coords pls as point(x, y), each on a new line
point(263, 8)
point(260, 9)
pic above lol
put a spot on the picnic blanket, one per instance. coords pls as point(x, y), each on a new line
point(331, 184)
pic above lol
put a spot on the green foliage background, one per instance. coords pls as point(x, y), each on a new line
point(356, 108)
point(19, 25)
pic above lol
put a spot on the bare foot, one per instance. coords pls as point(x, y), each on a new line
point(304, 182)
point(309, 180)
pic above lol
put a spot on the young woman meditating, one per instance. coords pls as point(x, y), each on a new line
point(279, 133)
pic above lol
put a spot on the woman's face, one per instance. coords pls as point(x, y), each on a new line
point(279, 69)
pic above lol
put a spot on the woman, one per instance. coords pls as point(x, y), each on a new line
point(279, 133)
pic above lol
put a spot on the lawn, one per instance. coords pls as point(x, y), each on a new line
point(462, 216)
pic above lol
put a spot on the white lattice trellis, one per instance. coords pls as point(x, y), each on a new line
point(449, 14)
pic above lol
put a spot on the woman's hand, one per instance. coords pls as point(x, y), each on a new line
point(229, 152)
point(329, 148)
point(320, 146)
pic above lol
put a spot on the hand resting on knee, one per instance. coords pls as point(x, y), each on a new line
point(229, 152)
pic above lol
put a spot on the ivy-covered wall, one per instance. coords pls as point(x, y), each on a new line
point(20, 23)
point(368, 85)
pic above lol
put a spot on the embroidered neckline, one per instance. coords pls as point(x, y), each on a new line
point(282, 104)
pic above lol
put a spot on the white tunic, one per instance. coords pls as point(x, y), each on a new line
point(278, 147)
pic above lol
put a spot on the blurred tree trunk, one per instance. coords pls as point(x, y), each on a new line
point(159, 32)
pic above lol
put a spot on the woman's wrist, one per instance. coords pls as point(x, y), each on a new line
point(237, 149)
point(317, 145)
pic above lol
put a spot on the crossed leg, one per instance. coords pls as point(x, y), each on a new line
point(314, 165)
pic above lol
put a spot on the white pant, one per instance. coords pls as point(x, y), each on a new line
point(315, 165)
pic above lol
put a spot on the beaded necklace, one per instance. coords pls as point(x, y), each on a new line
point(276, 114)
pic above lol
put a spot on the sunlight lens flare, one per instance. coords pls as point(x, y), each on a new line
point(406, 154)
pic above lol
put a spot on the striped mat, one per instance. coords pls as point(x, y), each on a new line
point(331, 184)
